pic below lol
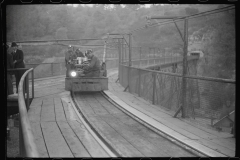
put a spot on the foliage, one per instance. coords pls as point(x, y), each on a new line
point(190, 11)
point(47, 22)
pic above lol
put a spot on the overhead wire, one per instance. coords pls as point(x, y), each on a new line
point(186, 17)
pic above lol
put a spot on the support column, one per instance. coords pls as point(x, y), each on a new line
point(184, 81)
point(183, 103)
point(129, 61)
point(119, 56)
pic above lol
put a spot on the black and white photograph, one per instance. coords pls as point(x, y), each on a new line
point(119, 80)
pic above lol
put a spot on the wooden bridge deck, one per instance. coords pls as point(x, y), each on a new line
point(57, 130)
point(59, 133)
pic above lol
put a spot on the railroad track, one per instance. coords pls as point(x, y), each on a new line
point(123, 135)
point(118, 132)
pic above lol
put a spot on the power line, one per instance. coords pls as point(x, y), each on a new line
point(187, 17)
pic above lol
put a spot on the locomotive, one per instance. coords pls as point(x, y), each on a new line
point(78, 82)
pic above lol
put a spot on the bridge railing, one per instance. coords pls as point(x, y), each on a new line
point(43, 70)
point(207, 99)
point(27, 146)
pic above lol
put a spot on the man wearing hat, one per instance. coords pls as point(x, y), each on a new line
point(9, 75)
point(93, 69)
point(18, 62)
point(69, 56)
point(79, 53)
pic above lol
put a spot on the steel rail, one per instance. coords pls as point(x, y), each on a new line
point(29, 147)
point(110, 151)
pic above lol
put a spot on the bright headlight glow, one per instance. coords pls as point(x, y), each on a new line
point(73, 74)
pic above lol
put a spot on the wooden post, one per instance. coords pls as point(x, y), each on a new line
point(140, 56)
point(125, 56)
point(130, 49)
point(139, 82)
point(164, 51)
point(24, 88)
point(184, 82)
point(32, 83)
point(52, 68)
point(21, 143)
point(130, 60)
point(119, 53)
point(27, 86)
point(154, 55)
point(148, 56)
point(154, 87)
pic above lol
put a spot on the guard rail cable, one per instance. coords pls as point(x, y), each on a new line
point(27, 144)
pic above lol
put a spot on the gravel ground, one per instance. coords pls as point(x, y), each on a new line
point(13, 144)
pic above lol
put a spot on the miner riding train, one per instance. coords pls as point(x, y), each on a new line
point(85, 72)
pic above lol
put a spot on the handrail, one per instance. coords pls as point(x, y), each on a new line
point(232, 81)
point(26, 138)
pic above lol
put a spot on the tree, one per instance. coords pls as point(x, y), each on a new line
point(190, 11)
point(61, 33)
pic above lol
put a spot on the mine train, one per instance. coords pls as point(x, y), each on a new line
point(76, 82)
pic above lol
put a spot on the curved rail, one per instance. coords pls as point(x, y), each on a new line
point(26, 140)
point(84, 120)
point(110, 145)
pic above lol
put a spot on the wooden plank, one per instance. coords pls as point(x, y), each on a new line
point(93, 148)
point(208, 133)
point(59, 111)
point(34, 114)
point(107, 105)
point(69, 111)
point(47, 113)
point(77, 148)
point(166, 130)
point(123, 147)
point(181, 127)
point(48, 101)
point(148, 147)
point(192, 124)
point(39, 140)
point(230, 143)
point(56, 144)
point(154, 138)
point(49, 91)
point(219, 148)
point(36, 102)
point(158, 110)
point(96, 106)
point(84, 105)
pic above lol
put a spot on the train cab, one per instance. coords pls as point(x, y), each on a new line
point(78, 82)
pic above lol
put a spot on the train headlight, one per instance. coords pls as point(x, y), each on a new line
point(73, 74)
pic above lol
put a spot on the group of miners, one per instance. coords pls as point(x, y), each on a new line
point(91, 67)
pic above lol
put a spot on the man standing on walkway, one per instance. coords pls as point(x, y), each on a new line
point(9, 75)
point(18, 62)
